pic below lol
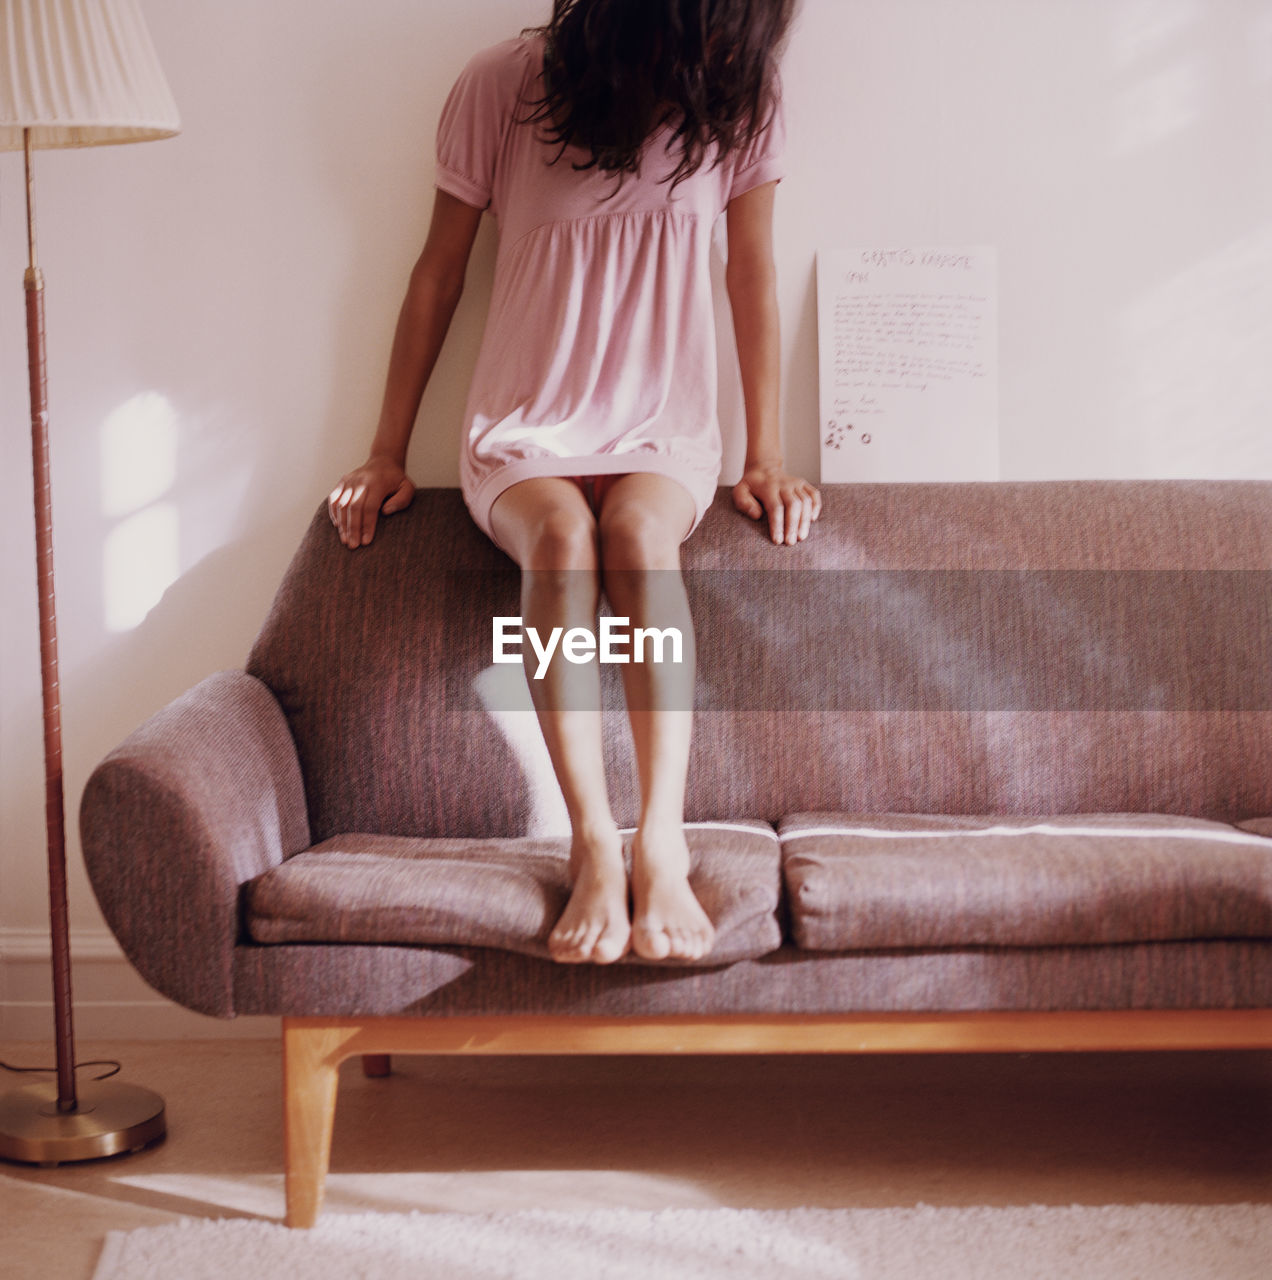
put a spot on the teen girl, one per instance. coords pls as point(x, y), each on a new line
point(606, 144)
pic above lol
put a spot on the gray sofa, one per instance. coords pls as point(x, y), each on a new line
point(979, 766)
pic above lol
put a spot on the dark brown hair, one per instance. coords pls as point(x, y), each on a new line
point(615, 71)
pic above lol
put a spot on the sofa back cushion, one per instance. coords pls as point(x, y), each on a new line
point(1018, 647)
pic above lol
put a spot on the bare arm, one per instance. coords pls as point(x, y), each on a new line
point(381, 486)
point(751, 279)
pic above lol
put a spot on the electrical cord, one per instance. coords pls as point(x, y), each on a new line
point(115, 1068)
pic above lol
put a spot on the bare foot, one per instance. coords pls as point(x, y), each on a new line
point(668, 921)
point(594, 925)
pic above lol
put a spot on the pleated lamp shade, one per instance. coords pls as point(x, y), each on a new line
point(80, 73)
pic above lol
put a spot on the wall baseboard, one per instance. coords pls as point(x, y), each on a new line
point(111, 1000)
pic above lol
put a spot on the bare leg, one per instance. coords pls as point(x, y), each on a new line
point(550, 531)
point(643, 519)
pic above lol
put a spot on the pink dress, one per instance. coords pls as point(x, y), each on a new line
point(599, 352)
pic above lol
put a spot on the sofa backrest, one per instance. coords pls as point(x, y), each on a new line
point(1012, 647)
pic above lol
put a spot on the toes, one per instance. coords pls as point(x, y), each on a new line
point(656, 942)
point(565, 937)
point(703, 941)
point(566, 942)
point(565, 955)
point(610, 946)
point(590, 931)
point(685, 944)
point(579, 943)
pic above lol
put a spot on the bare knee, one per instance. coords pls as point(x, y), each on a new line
point(562, 539)
point(634, 536)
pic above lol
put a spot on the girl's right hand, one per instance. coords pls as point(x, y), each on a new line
point(379, 487)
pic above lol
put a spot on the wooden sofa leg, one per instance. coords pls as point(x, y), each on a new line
point(311, 1064)
point(375, 1066)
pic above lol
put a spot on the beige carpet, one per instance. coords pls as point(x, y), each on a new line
point(498, 1135)
point(1033, 1242)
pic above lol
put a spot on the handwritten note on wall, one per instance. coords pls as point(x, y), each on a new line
point(908, 346)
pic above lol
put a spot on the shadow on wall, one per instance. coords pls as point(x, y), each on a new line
point(184, 637)
point(174, 477)
point(205, 447)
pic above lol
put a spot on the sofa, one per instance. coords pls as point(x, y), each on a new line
point(977, 767)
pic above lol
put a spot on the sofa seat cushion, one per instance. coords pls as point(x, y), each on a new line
point(506, 893)
point(1259, 826)
point(857, 882)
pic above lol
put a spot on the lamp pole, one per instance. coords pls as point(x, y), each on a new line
point(54, 803)
point(84, 75)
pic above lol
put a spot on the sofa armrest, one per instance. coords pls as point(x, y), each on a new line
point(203, 797)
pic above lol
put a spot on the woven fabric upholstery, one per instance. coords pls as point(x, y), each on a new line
point(952, 649)
point(496, 893)
point(372, 653)
point(337, 981)
point(825, 681)
point(202, 798)
point(862, 882)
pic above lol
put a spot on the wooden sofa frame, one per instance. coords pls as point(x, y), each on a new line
point(314, 1048)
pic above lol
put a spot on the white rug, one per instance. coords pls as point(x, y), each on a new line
point(1034, 1242)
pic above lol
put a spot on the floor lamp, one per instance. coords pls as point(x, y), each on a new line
point(73, 73)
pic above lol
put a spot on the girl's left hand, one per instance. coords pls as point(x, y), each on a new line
point(791, 502)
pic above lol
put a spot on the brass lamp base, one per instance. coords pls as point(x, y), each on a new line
point(110, 1117)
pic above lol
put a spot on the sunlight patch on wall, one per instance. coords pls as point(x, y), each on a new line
point(140, 555)
point(139, 453)
point(1156, 107)
point(1141, 29)
point(139, 563)
point(1154, 43)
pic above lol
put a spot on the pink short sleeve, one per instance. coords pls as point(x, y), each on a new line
point(763, 160)
point(474, 122)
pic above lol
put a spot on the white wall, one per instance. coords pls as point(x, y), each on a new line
point(220, 308)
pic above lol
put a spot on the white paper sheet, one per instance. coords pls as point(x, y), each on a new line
point(908, 347)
